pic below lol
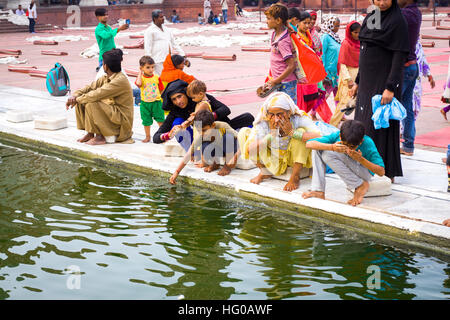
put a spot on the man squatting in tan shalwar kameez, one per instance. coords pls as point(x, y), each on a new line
point(105, 107)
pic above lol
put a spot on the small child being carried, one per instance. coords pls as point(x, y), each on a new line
point(196, 90)
point(216, 140)
point(151, 87)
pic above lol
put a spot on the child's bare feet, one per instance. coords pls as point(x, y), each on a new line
point(147, 139)
point(200, 164)
point(259, 178)
point(313, 194)
point(292, 184)
point(444, 114)
point(224, 171)
point(98, 140)
point(446, 223)
point(359, 194)
point(212, 167)
point(86, 138)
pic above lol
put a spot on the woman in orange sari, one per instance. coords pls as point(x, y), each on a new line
point(309, 96)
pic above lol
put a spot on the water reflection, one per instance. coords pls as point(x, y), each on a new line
point(136, 238)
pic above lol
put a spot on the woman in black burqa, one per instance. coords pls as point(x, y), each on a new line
point(382, 57)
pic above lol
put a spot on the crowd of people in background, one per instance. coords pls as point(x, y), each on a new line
point(286, 132)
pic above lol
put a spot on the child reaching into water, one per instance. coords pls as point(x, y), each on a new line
point(151, 86)
point(351, 154)
point(216, 140)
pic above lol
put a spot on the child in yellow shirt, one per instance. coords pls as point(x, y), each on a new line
point(151, 87)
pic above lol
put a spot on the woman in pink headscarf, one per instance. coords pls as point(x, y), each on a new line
point(348, 63)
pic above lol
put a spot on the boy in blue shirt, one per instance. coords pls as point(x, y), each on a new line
point(351, 154)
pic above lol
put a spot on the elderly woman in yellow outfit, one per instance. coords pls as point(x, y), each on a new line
point(277, 140)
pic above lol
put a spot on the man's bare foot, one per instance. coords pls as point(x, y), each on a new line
point(444, 114)
point(259, 178)
point(86, 138)
point(359, 194)
point(292, 184)
point(224, 171)
point(147, 139)
point(446, 223)
point(212, 167)
point(313, 194)
point(98, 140)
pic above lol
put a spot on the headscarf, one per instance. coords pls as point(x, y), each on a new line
point(393, 34)
point(177, 86)
point(171, 73)
point(349, 52)
point(312, 13)
point(315, 36)
point(328, 26)
point(278, 100)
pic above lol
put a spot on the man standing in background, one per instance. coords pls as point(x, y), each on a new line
point(207, 9)
point(413, 17)
point(105, 34)
point(224, 10)
point(159, 41)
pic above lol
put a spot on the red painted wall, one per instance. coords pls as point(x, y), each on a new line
point(188, 10)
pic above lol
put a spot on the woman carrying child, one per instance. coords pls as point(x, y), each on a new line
point(348, 63)
point(307, 94)
point(277, 140)
point(181, 107)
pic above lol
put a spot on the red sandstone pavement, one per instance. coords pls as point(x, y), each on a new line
point(233, 82)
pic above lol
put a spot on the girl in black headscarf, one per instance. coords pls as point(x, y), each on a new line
point(384, 48)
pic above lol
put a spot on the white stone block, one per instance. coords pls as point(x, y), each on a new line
point(19, 116)
point(173, 149)
point(241, 164)
point(378, 187)
point(110, 139)
point(50, 123)
point(244, 164)
point(304, 173)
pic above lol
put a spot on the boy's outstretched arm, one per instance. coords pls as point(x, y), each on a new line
point(336, 147)
point(184, 161)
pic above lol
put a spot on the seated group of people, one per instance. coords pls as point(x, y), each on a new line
point(281, 136)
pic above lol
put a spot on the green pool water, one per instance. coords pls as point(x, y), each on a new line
point(73, 231)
